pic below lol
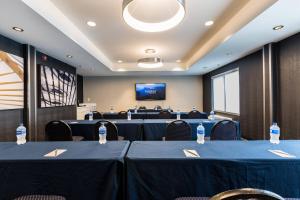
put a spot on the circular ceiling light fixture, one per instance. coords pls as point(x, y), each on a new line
point(209, 23)
point(18, 29)
point(276, 28)
point(129, 10)
point(91, 23)
point(150, 51)
point(150, 63)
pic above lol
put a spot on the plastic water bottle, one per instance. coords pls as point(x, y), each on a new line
point(194, 108)
point(274, 133)
point(90, 116)
point(111, 109)
point(135, 109)
point(178, 115)
point(21, 134)
point(129, 115)
point(212, 115)
point(169, 109)
point(200, 134)
point(102, 134)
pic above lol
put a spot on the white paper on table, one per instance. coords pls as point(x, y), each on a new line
point(74, 122)
point(282, 153)
point(55, 153)
point(191, 153)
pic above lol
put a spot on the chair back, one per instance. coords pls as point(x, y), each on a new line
point(96, 115)
point(164, 114)
point(195, 114)
point(157, 107)
point(142, 108)
point(247, 193)
point(122, 115)
point(111, 128)
point(41, 197)
point(58, 131)
point(224, 130)
point(179, 130)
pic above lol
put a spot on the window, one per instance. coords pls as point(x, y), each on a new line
point(226, 92)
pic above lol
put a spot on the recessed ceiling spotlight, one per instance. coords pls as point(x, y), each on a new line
point(17, 29)
point(150, 51)
point(150, 63)
point(120, 61)
point(69, 56)
point(144, 26)
point(91, 23)
point(121, 70)
point(178, 61)
point(209, 23)
point(276, 28)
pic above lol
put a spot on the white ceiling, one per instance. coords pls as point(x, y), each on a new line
point(202, 49)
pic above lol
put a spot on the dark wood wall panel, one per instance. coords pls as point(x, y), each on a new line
point(289, 85)
point(79, 89)
point(251, 94)
point(10, 119)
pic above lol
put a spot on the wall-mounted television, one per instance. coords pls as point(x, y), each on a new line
point(150, 91)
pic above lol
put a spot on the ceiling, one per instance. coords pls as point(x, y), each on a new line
point(59, 28)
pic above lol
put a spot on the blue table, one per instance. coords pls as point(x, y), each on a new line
point(129, 129)
point(159, 170)
point(147, 115)
point(155, 129)
point(87, 170)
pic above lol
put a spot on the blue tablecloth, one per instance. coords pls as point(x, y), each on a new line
point(129, 129)
point(159, 170)
point(145, 115)
point(155, 129)
point(87, 170)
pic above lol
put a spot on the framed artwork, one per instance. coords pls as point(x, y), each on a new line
point(11, 81)
point(57, 87)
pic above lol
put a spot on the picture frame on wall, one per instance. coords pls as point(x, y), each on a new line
point(56, 87)
point(11, 81)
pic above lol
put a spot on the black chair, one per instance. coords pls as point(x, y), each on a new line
point(157, 107)
point(122, 115)
point(142, 108)
point(96, 115)
point(41, 197)
point(164, 114)
point(195, 114)
point(111, 128)
point(58, 131)
point(247, 193)
point(192, 198)
point(178, 130)
point(224, 130)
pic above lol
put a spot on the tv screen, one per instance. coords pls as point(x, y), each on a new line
point(152, 91)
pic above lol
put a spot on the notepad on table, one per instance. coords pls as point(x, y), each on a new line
point(191, 153)
point(282, 153)
point(55, 153)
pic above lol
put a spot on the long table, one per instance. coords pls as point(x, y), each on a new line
point(129, 129)
point(160, 170)
point(155, 129)
point(87, 170)
point(148, 115)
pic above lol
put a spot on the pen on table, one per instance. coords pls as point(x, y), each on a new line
point(191, 152)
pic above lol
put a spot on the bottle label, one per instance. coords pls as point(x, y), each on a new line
point(274, 131)
point(19, 132)
point(102, 131)
point(201, 132)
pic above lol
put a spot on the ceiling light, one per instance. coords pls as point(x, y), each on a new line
point(91, 23)
point(177, 69)
point(209, 23)
point(121, 70)
point(120, 61)
point(153, 27)
point(150, 63)
point(178, 61)
point(18, 29)
point(276, 28)
point(69, 56)
point(150, 51)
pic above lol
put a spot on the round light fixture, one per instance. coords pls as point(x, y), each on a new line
point(276, 28)
point(177, 69)
point(150, 51)
point(178, 61)
point(17, 29)
point(153, 26)
point(209, 23)
point(91, 23)
point(150, 63)
point(121, 70)
point(120, 61)
point(69, 56)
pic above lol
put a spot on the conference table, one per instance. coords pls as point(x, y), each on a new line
point(161, 170)
point(155, 129)
point(128, 129)
point(86, 170)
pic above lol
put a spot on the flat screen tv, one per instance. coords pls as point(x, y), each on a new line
point(150, 91)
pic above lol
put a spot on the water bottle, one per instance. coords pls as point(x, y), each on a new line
point(102, 134)
point(21, 134)
point(274, 133)
point(178, 115)
point(212, 115)
point(194, 108)
point(135, 109)
point(129, 115)
point(111, 109)
point(200, 134)
point(90, 116)
point(169, 109)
